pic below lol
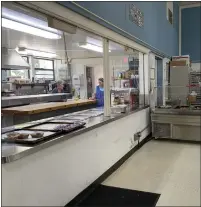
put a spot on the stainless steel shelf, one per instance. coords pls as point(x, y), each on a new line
point(22, 100)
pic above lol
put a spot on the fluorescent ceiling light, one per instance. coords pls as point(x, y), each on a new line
point(93, 47)
point(28, 20)
point(28, 29)
point(94, 41)
point(36, 53)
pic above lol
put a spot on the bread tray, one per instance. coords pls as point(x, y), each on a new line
point(29, 141)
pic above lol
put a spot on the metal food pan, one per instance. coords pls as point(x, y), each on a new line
point(97, 109)
point(73, 127)
point(72, 119)
point(76, 117)
point(91, 113)
point(45, 127)
point(29, 140)
point(65, 121)
point(80, 115)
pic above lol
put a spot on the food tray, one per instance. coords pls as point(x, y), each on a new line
point(45, 127)
point(53, 127)
point(30, 140)
point(65, 121)
point(71, 127)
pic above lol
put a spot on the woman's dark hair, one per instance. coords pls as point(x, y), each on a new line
point(101, 79)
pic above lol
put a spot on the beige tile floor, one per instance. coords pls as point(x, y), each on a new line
point(168, 168)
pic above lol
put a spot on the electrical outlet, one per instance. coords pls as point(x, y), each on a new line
point(131, 144)
point(137, 136)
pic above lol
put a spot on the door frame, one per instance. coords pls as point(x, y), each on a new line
point(157, 58)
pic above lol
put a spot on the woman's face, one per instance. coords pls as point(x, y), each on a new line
point(100, 83)
point(60, 87)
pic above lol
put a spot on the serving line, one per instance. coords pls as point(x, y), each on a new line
point(12, 152)
point(24, 114)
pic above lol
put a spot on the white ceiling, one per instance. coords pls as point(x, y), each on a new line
point(12, 39)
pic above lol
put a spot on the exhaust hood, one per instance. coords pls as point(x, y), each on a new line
point(12, 60)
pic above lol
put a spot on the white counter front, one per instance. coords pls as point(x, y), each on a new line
point(55, 175)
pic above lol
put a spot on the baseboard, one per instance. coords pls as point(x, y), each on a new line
point(177, 140)
point(85, 193)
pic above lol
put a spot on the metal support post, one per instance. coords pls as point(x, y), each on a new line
point(106, 76)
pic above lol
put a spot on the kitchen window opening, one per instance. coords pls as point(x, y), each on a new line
point(44, 69)
point(23, 73)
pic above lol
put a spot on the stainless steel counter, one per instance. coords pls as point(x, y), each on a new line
point(12, 152)
point(178, 111)
point(178, 124)
point(22, 100)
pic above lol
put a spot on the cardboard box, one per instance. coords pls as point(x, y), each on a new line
point(178, 63)
point(192, 99)
point(186, 57)
point(182, 58)
point(128, 74)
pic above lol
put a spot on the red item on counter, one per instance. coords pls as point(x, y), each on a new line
point(193, 85)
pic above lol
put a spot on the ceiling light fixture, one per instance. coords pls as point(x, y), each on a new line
point(90, 46)
point(38, 22)
point(37, 53)
point(10, 24)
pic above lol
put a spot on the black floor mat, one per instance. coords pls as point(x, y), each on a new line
point(111, 196)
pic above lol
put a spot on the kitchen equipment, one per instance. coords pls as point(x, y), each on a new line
point(119, 108)
point(195, 85)
point(177, 89)
point(12, 60)
point(124, 96)
point(117, 100)
point(6, 86)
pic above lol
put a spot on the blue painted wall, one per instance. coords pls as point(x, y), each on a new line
point(191, 33)
point(157, 34)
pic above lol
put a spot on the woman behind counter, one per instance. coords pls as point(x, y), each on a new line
point(59, 87)
point(99, 95)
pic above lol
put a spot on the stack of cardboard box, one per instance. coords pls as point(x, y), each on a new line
point(183, 60)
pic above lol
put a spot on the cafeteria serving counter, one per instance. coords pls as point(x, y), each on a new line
point(69, 163)
point(12, 152)
point(177, 124)
point(33, 112)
